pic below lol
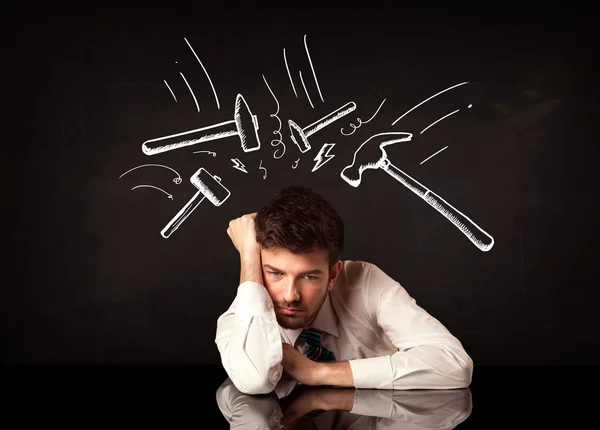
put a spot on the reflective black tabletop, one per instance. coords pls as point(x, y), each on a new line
point(203, 397)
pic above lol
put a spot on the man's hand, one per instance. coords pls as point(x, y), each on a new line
point(304, 370)
point(298, 366)
point(242, 233)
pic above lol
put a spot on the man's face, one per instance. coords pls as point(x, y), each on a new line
point(297, 284)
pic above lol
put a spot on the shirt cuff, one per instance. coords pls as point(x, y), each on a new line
point(373, 403)
point(253, 300)
point(374, 372)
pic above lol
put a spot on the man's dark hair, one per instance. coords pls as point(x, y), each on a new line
point(299, 220)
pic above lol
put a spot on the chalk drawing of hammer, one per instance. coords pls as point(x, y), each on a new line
point(242, 122)
point(209, 187)
point(371, 155)
point(300, 135)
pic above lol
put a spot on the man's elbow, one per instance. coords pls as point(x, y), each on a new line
point(464, 373)
point(255, 384)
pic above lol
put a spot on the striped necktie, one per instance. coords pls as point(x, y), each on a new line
point(313, 348)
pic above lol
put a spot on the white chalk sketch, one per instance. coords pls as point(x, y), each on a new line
point(305, 91)
point(209, 187)
point(275, 142)
point(172, 93)
point(177, 180)
point(260, 166)
point(190, 88)
point(361, 122)
point(372, 155)
point(438, 120)
point(323, 156)
point(295, 163)
point(205, 72)
point(244, 125)
point(426, 100)
point(433, 155)
point(214, 154)
point(237, 164)
point(170, 196)
point(313, 69)
point(289, 74)
point(300, 135)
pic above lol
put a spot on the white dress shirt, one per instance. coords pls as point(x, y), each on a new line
point(367, 319)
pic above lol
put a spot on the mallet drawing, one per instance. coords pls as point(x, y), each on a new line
point(300, 135)
point(209, 187)
point(371, 155)
point(244, 125)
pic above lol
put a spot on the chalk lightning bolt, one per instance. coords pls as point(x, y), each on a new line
point(237, 164)
point(323, 155)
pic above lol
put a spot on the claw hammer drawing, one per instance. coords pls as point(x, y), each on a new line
point(371, 155)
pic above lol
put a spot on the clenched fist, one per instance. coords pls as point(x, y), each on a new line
point(242, 233)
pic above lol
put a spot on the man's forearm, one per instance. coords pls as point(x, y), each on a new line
point(337, 374)
point(250, 268)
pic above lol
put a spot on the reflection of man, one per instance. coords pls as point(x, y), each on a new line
point(299, 309)
point(345, 408)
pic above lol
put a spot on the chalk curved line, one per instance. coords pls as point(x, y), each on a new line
point(424, 101)
point(313, 69)
point(436, 121)
point(360, 121)
point(431, 156)
point(190, 88)
point(260, 167)
point(289, 74)
point(206, 73)
point(214, 154)
point(275, 115)
point(173, 94)
point(309, 100)
point(176, 180)
point(156, 188)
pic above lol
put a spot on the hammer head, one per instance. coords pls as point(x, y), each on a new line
point(246, 124)
point(210, 186)
point(371, 155)
point(298, 137)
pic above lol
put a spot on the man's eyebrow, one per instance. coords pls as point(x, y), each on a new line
point(308, 272)
point(311, 272)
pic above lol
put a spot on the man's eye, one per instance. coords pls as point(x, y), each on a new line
point(310, 277)
point(275, 273)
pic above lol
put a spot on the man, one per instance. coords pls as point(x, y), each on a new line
point(302, 311)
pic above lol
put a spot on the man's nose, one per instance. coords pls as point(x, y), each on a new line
point(291, 293)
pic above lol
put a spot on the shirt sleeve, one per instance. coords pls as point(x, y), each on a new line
point(423, 409)
point(249, 341)
point(428, 357)
point(247, 411)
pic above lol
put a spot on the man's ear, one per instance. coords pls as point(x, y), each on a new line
point(333, 273)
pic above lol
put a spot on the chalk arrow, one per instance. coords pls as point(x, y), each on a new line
point(237, 164)
point(156, 188)
point(323, 156)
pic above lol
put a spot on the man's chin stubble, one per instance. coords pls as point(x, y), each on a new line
point(291, 323)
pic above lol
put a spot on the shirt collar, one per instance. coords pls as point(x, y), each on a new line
point(325, 321)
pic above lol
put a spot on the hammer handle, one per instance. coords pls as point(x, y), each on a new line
point(478, 236)
point(182, 214)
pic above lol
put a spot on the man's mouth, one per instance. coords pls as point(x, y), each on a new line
point(289, 311)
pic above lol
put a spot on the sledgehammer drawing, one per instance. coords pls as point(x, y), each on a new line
point(209, 187)
point(242, 125)
point(371, 155)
